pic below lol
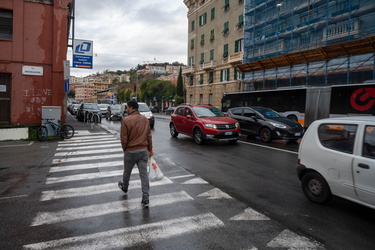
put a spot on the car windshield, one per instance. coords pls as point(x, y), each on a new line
point(91, 106)
point(269, 113)
point(207, 112)
point(115, 108)
point(103, 105)
point(143, 107)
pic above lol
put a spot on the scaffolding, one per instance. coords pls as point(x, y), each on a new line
point(299, 42)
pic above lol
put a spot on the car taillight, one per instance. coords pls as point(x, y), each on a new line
point(298, 161)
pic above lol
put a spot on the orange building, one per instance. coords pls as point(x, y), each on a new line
point(33, 45)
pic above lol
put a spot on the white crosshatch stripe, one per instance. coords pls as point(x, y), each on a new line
point(106, 208)
point(87, 158)
point(80, 177)
point(80, 144)
point(87, 152)
point(85, 138)
point(96, 145)
point(98, 140)
point(97, 189)
point(60, 168)
point(132, 236)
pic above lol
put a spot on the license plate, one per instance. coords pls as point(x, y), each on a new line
point(228, 133)
point(297, 134)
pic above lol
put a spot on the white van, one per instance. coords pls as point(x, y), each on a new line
point(143, 109)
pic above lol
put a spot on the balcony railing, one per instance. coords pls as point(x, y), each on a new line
point(235, 58)
point(187, 70)
point(208, 65)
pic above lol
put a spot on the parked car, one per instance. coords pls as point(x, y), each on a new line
point(143, 109)
point(203, 122)
point(154, 109)
point(113, 112)
point(103, 109)
point(266, 123)
point(170, 110)
point(74, 108)
point(86, 107)
point(337, 157)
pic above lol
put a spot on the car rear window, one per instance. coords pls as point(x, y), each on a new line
point(339, 137)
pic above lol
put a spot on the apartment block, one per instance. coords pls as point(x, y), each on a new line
point(215, 45)
point(311, 43)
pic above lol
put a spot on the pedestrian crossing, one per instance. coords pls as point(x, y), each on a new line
point(81, 207)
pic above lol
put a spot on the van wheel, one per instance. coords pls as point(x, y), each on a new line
point(265, 135)
point(173, 130)
point(198, 136)
point(316, 188)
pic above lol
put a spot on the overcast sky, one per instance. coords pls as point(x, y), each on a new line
point(126, 33)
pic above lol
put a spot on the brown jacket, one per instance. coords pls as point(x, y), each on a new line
point(135, 132)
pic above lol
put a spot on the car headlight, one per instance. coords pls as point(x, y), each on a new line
point(209, 125)
point(237, 124)
point(278, 125)
point(151, 115)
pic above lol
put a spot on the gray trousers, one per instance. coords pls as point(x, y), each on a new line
point(141, 159)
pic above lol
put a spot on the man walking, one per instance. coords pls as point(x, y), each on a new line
point(136, 141)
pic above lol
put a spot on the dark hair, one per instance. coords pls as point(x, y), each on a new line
point(133, 104)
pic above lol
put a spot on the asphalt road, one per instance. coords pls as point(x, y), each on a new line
point(264, 177)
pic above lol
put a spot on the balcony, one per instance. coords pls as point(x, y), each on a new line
point(187, 70)
point(235, 58)
point(208, 65)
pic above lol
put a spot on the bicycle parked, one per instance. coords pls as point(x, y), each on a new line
point(64, 130)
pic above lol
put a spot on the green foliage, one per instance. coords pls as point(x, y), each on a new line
point(156, 88)
point(178, 100)
point(32, 133)
point(180, 87)
point(71, 94)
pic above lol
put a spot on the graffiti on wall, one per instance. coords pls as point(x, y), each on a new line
point(36, 99)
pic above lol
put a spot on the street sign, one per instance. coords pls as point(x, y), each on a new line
point(66, 86)
point(66, 64)
point(82, 54)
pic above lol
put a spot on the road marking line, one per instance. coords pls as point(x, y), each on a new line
point(79, 177)
point(290, 240)
point(59, 168)
point(131, 236)
point(263, 146)
point(214, 194)
point(100, 146)
point(87, 158)
point(93, 190)
point(197, 180)
point(182, 176)
point(79, 138)
point(250, 214)
point(96, 142)
point(86, 152)
point(106, 208)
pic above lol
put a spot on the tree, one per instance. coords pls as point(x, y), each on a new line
point(180, 86)
point(71, 94)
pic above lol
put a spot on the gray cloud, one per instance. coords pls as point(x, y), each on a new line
point(127, 32)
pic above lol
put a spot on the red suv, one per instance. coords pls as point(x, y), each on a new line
point(203, 122)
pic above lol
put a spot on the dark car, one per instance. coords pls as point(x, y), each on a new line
point(113, 112)
point(170, 110)
point(87, 109)
point(203, 122)
point(154, 109)
point(266, 123)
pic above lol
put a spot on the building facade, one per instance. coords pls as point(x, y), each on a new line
point(215, 44)
point(33, 44)
point(311, 43)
